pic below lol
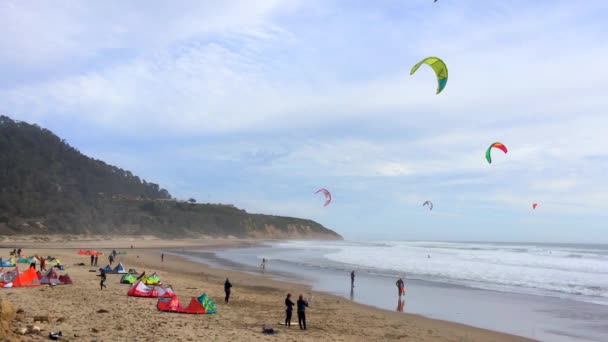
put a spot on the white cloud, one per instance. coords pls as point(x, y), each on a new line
point(236, 82)
point(392, 169)
point(317, 93)
point(41, 34)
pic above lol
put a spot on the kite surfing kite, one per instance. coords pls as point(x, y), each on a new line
point(497, 145)
point(441, 70)
point(534, 205)
point(327, 196)
point(429, 203)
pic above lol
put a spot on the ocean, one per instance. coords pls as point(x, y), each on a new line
point(550, 292)
point(574, 271)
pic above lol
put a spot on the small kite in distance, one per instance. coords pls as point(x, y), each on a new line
point(429, 203)
point(497, 145)
point(327, 196)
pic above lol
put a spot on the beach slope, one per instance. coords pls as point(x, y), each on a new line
point(84, 312)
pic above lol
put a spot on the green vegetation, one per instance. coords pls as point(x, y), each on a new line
point(49, 187)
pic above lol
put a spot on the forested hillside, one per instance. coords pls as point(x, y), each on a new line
point(49, 187)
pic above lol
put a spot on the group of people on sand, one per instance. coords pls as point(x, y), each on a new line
point(16, 252)
point(102, 272)
point(93, 260)
point(301, 304)
point(400, 284)
point(40, 260)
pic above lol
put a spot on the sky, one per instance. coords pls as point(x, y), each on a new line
point(261, 103)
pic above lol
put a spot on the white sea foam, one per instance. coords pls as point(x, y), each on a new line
point(576, 272)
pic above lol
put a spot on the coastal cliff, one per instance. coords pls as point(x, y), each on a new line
point(49, 187)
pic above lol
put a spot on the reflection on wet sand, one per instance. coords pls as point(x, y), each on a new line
point(400, 304)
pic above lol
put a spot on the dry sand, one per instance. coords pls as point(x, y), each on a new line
point(255, 300)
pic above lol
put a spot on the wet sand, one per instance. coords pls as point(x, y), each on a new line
point(255, 301)
point(533, 316)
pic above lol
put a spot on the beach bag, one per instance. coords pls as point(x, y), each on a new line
point(268, 331)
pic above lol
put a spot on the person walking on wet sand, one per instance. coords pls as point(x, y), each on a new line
point(352, 278)
point(400, 286)
point(162, 257)
point(103, 278)
point(302, 305)
point(227, 287)
point(288, 310)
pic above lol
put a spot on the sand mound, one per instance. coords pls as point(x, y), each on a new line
point(7, 314)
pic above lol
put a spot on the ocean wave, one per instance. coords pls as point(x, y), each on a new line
point(557, 270)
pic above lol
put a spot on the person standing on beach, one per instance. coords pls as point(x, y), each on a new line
point(227, 287)
point(352, 278)
point(162, 257)
point(302, 305)
point(103, 278)
point(42, 264)
point(400, 286)
point(19, 252)
point(288, 310)
point(111, 259)
point(96, 259)
point(92, 259)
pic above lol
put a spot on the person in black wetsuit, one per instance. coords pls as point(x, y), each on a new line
point(288, 310)
point(352, 278)
point(92, 259)
point(302, 304)
point(400, 286)
point(227, 287)
point(103, 278)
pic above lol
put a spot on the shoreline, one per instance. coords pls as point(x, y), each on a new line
point(533, 316)
point(256, 300)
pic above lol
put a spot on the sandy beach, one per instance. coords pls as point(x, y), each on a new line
point(255, 301)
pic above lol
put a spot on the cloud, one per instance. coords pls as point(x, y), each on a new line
point(241, 79)
point(43, 34)
point(263, 101)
